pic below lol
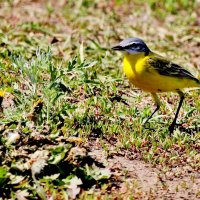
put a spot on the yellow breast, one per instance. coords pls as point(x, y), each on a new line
point(134, 66)
point(136, 70)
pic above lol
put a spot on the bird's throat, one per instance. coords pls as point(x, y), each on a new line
point(133, 58)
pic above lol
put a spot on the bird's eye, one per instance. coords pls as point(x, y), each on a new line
point(134, 45)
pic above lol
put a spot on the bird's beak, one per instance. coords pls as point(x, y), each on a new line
point(117, 48)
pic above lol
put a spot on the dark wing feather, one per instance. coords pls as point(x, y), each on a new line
point(167, 68)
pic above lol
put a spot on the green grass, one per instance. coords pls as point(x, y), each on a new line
point(65, 89)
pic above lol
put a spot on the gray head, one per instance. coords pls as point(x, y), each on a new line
point(132, 46)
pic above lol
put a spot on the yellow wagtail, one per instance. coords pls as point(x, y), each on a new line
point(153, 73)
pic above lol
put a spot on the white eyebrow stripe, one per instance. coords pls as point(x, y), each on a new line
point(127, 44)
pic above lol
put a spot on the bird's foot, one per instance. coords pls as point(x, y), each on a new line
point(146, 121)
point(147, 125)
point(172, 126)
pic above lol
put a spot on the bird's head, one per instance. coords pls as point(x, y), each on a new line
point(132, 46)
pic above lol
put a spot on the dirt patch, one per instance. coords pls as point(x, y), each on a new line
point(150, 184)
point(146, 182)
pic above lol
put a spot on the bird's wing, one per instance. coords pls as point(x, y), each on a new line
point(167, 68)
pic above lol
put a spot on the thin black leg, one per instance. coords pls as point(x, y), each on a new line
point(157, 102)
point(157, 108)
point(181, 94)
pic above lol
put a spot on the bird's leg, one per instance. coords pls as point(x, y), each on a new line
point(158, 103)
point(181, 94)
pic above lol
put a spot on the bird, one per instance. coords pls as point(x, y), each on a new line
point(153, 73)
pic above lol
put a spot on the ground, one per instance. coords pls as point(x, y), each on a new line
point(71, 124)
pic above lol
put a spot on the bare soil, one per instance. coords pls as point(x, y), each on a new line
point(144, 181)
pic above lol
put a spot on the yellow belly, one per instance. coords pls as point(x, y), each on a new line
point(148, 79)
